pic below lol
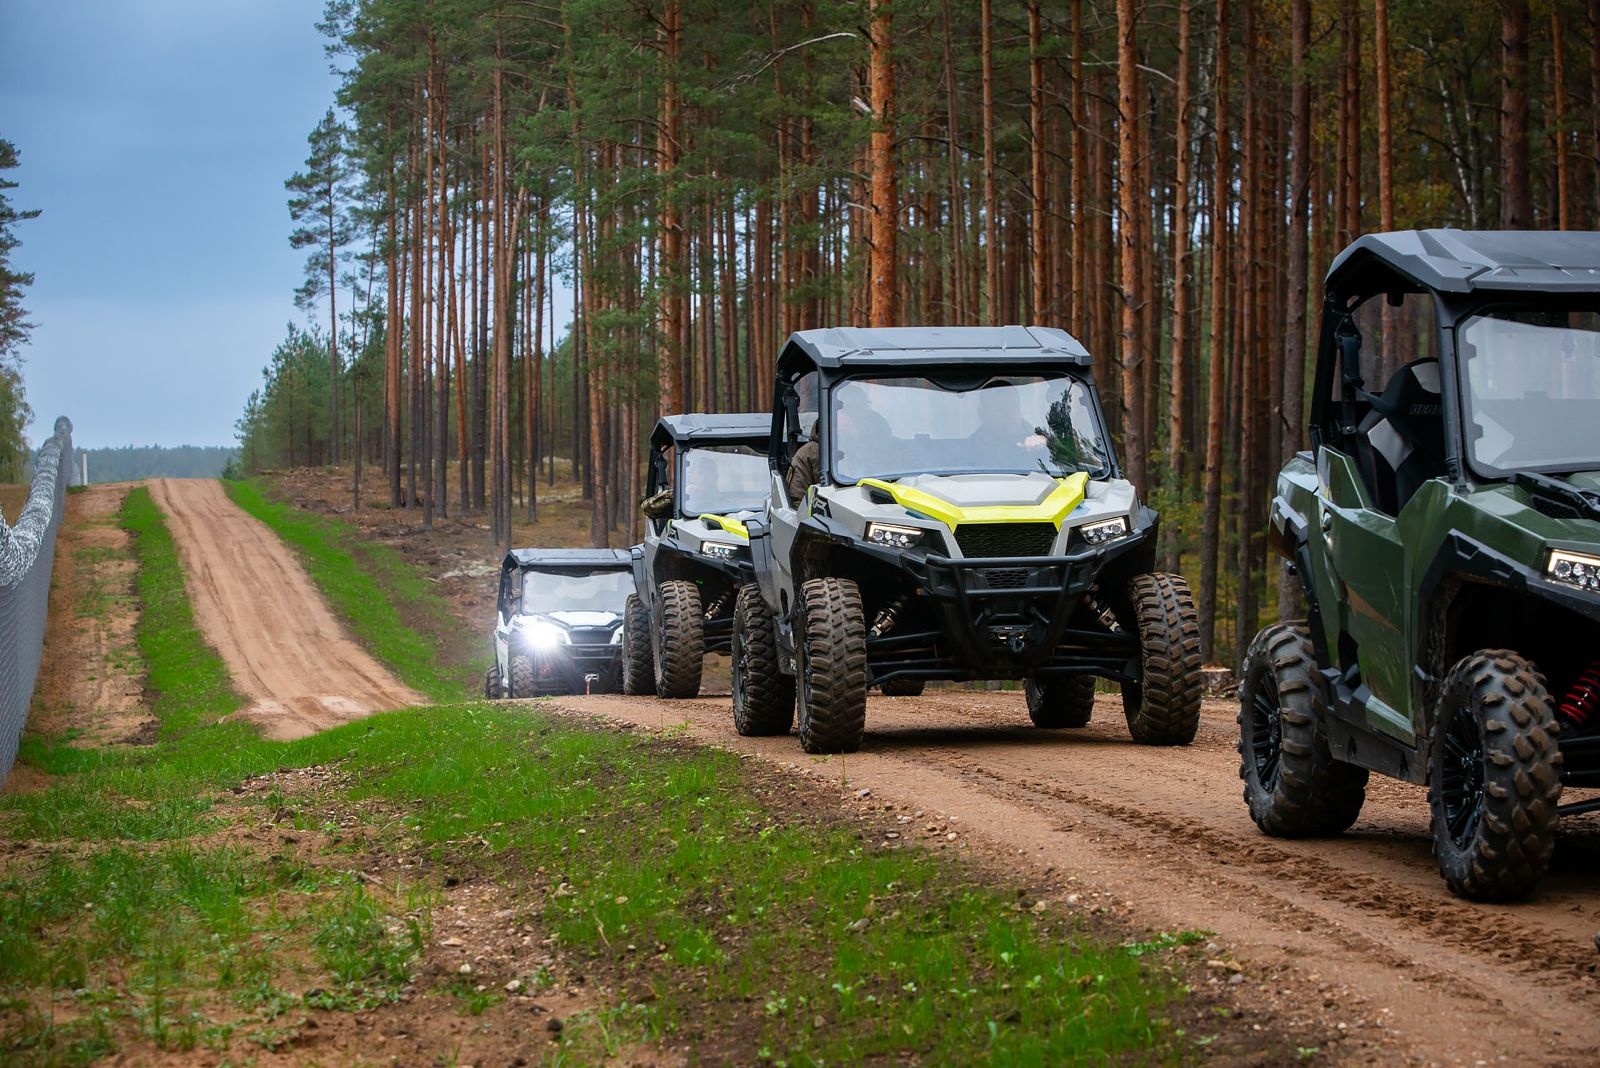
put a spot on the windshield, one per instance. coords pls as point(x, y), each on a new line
point(568, 591)
point(889, 427)
point(724, 478)
point(1531, 380)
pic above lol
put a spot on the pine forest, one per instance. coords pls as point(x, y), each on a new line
point(696, 180)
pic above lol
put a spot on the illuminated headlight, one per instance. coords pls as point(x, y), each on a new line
point(543, 634)
point(1102, 532)
point(722, 550)
point(894, 537)
point(1575, 569)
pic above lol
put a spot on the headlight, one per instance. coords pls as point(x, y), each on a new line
point(616, 635)
point(1575, 569)
point(543, 634)
point(894, 537)
point(1107, 530)
point(722, 550)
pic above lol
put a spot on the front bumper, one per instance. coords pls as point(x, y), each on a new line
point(561, 670)
point(1013, 617)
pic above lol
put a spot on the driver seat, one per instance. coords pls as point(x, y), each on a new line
point(1405, 432)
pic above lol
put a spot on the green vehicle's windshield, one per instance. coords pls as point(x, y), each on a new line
point(566, 591)
point(1531, 390)
point(724, 478)
point(890, 427)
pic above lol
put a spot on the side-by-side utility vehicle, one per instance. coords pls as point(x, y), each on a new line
point(1445, 531)
point(945, 504)
point(558, 627)
point(707, 476)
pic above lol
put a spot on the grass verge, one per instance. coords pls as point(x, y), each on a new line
point(717, 908)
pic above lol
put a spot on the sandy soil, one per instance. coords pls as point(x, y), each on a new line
point(283, 647)
point(99, 700)
point(1358, 931)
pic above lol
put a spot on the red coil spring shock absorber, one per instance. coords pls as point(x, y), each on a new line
point(1583, 700)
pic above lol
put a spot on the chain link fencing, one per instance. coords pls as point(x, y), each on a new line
point(27, 552)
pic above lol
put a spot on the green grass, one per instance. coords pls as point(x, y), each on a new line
point(127, 921)
point(721, 922)
point(373, 590)
point(663, 863)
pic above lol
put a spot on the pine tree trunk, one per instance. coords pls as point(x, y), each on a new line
point(1594, 101)
point(1294, 349)
point(1350, 128)
point(1081, 299)
point(1130, 210)
point(392, 378)
point(991, 203)
point(1178, 407)
point(1566, 213)
point(885, 194)
point(1216, 390)
point(333, 332)
point(1039, 258)
point(1516, 197)
point(669, 347)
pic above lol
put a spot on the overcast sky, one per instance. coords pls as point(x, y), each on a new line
point(156, 136)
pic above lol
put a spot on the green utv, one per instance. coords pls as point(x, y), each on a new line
point(945, 504)
point(707, 474)
point(1445, 531)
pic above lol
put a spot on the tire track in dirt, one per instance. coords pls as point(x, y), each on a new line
point(1500, 933)
point(1358, 928)
point(254, 602)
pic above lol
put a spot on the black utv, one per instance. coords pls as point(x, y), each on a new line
point(708, 475)
point(558, 626)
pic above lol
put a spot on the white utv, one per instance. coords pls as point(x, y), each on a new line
point(945, 504)
point(558, 622)
point(708, 475)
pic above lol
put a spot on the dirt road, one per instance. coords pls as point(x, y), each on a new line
point(1358, 931)
point(251, 598)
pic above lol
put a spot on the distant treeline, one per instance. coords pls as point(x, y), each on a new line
point(157, 461)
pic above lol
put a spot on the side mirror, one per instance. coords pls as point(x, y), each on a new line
point(659, 505)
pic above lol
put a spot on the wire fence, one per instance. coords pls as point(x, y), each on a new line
point(27, 552)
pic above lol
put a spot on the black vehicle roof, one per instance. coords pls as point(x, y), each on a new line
point(1464, 261)
point(576, 559)
point(846, 346)
point(700, 428)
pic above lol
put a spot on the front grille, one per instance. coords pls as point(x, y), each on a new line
point(1006, 539)
point(1005, 578)
point(590, 635)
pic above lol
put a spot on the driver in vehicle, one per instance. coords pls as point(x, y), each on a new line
point(1004, 433)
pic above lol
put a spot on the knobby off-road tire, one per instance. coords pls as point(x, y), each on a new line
point(831, 662)
point(1292, 783)
point(763, 696)
point(521, 675)
point(1058, 703)
point(1494, 777)
point(491, 684)
point(638, 661)
point(1165, 708)
point(681, 650)
point(904, 687)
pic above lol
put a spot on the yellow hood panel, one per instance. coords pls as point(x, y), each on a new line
point(1067, 495)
